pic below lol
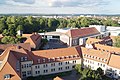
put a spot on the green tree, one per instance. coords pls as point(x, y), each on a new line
point(20, 27)
point(85, 22)
point(117, 42)
point(5, 32)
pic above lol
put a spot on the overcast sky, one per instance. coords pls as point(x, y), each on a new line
point(60, 6)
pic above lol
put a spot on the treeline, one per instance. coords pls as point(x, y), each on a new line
point(29, 24)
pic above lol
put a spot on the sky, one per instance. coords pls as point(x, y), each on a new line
point(60, 6)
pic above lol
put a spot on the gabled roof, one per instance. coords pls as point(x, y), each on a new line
point(96, 55)
point(114, 61)
point(33, 39)
point(57, 78)
point(101, 41)
point(107, 48)
point(23, 45)
point(56, 53)
point(82, 32)
point(92, 40)
point(8, 66)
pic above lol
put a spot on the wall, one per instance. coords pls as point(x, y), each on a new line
point(54, 67)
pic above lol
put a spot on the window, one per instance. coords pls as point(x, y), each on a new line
point(18, 66)
point(98, 64)
point(67, 67)
point(38, 60)
point(45, 71)
point(73, 66)
point(52, 70)
point(30, 65)
point(27, 65)
point(25, 58)
point(35, 67)
point(7, 76)
point(67, 62)
point(38, 72)
point(22, 59)
point(60, 68)
point(35, 72)
point(24, 74)
point(28, 72)
point(74, 61)
point(52, 64)
point(60, 63)
point(45, 65)
point(22, 66)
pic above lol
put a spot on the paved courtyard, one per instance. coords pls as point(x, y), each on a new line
point(54, 44)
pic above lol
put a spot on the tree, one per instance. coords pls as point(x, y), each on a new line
point(20, 27)
point(2, 26)
point(85, 22)
point(117, 42)
point(11, 29)
point(5, 32)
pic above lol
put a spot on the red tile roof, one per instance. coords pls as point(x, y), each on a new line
point(82, 32)
point(23, 45)
point(8, 66)
point(57, 78)
point(114, 61)
point(56, 54)
point(34, 39)
point(107, 48)
point(96, 55)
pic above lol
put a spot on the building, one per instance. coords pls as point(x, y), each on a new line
point(75, 37)
point(17, 63)
point(107, 30)
point(72, 36)
point(34, 40)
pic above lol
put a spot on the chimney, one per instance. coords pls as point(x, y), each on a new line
point(18, 47)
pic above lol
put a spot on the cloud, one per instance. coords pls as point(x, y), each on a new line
point(25, 1)
point(58, 3)
point(75, 3)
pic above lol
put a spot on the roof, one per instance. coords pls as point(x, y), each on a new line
point(34, 39)
point(8, 66)
point(26, 35)
point(61, 54)
point(114, 61)
point(101, 41)
point(107, 48)
point(23, 45)
point(92, 40)
point(82, 32)
point(57, 78)
point(95, 55)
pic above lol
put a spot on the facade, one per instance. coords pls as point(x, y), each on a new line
point(76, 37)
point(34, 63)
point(110, 67)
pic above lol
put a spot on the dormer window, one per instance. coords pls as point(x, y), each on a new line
point(18, 66)
point(105, 60)
point(7, 76)
point(48, 59)
point(25, 58)
point(58, 58)
point(43, 60)
point(38, 60)
point(22, 58)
